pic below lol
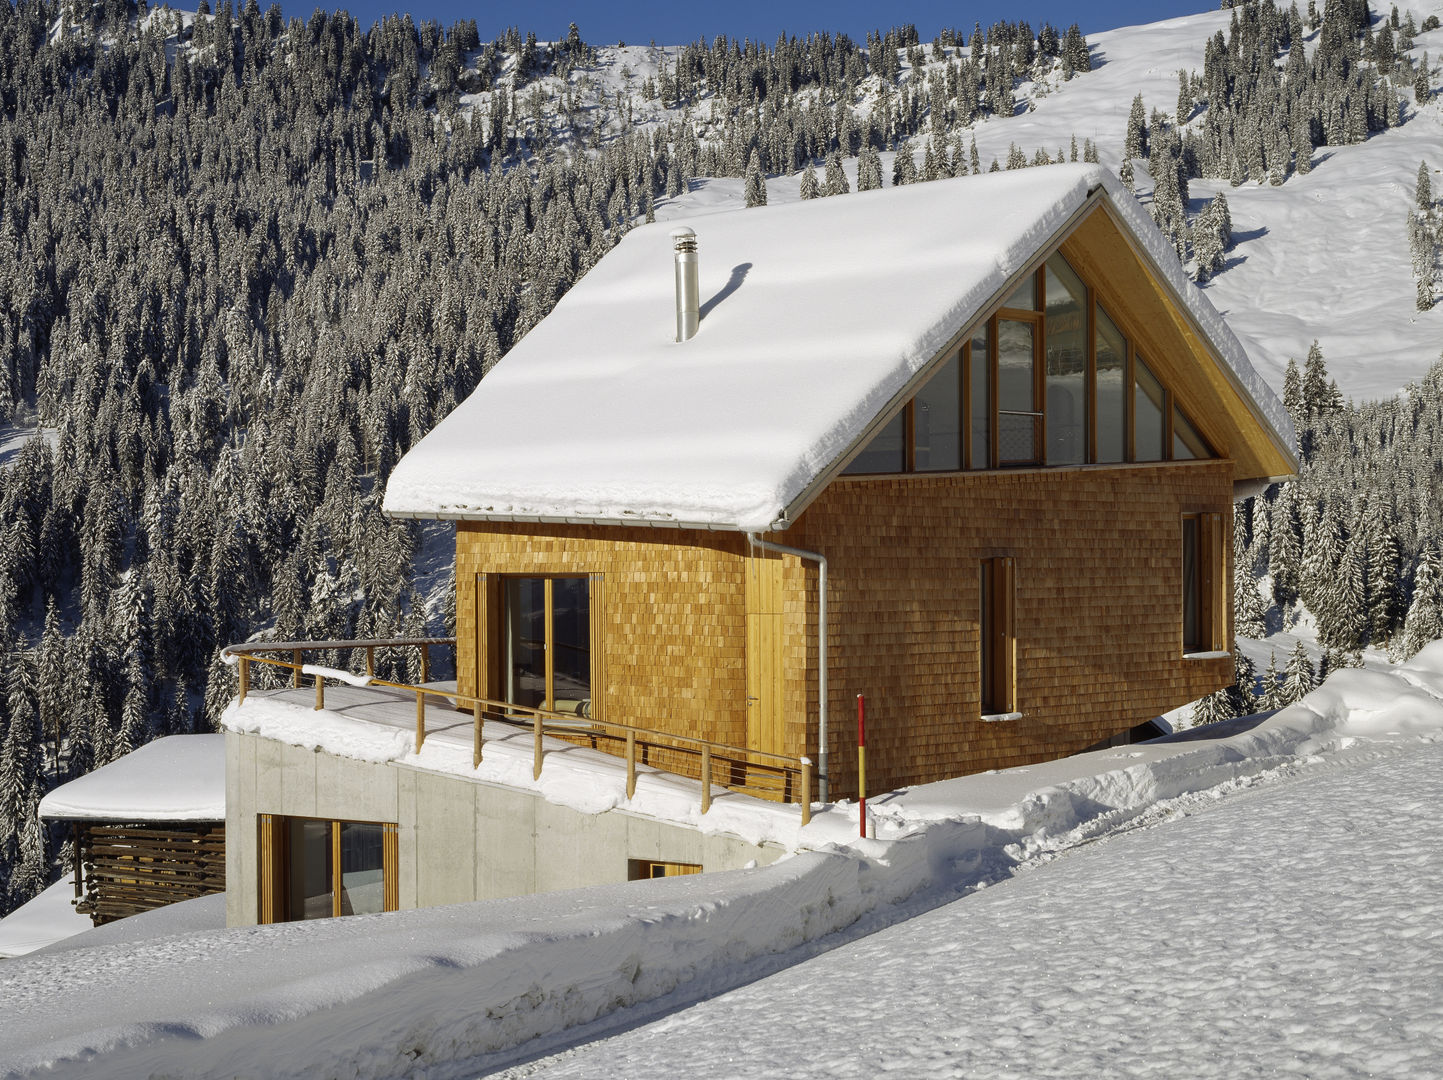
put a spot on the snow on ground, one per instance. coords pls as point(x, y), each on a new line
point(13, 438)
point(457, 990)
point(1291, 930)
point(44, 920)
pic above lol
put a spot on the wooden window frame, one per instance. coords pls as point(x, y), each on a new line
point(274, 857)
point(997, 637)
point(647, 869)
point(967, 357)
point(1207, 585)
point(491, 634)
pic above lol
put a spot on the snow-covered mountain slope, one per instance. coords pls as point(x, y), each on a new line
point(1324, 256)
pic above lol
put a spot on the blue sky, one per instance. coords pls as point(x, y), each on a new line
point(680, 21)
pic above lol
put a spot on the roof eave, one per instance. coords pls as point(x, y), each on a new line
point(566, 519)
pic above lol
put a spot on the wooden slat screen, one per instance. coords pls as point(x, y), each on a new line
point(128, 869)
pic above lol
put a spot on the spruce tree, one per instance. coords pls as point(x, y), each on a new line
point(756, 183)
point(1299, 678)
point(1424, 622)
point(1272, 697)
point(809, 187)
point(835, 179)
point(1134, 143)
point(1212, 708)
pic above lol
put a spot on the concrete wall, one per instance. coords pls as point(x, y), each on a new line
point(459, 840)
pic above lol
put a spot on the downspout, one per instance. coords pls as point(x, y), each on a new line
point(821, 561)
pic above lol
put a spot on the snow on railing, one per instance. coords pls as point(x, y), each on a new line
point(757, 772)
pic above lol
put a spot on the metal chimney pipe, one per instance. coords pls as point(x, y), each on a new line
point(688, 285)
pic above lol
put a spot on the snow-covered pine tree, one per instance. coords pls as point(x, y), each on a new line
point(1272, 696)
point(810, 188)
point(1424, 622)
point(1242, 694)
point(1299, 678)
point(1212, 708)
point(835, 180)
point(1134, 143)
point(1284, 548)
point(869, 169)
point(756, 182)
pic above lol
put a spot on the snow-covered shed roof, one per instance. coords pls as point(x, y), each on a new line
point(815, 318)
point(177, 778)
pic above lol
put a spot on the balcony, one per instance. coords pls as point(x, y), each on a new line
point(289, 670)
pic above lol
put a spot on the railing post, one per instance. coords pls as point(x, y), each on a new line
point(630, 763)
point(806, 791)
point(476, 738)
point(705, 777)
point(296, 674)
point(425, 663)
point(320, 692)
point(244, 676)
point(420, 719)
point(370, 661)
point(536, 764)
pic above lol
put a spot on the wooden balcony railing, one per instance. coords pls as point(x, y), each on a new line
point(778, 777)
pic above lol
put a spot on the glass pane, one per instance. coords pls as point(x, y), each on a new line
point(1015, 385)
point(571, 657)
point(1066, 365)
point(884, 454)
point(1024, 297)
point(1189, 584)
point(362, 879)
point(937, 419)
point(1111, 390)
point(1016, 393)
point(1147, 415)
point(1187, 444)
point(309, 877)
point(526, 641)
point(981, 403)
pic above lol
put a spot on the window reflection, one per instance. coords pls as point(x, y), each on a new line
point(1111, 390)
point(1147, 414)
point(937, 420)
point(1066, 365)
point(991, 400)
point(980, 393)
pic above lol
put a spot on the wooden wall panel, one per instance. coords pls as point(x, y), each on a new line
point(1098, 572)
point(1097, 617)
point(670, 628)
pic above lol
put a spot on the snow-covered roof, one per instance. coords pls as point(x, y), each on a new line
point(815, 316)
point(178, 778)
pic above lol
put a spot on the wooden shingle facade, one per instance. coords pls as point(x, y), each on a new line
point(1027, 537)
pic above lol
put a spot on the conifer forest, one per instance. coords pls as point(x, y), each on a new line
point(247, 261)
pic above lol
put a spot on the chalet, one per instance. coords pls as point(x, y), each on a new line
point(967, 449)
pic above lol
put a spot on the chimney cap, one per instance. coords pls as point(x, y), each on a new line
point(682, 230)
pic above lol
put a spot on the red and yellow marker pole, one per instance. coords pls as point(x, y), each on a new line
point(862, 765)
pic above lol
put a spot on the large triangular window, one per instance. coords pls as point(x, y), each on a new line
point(1050, 379)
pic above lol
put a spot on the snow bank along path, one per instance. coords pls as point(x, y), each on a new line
point(1292, 930)
point(454, 990)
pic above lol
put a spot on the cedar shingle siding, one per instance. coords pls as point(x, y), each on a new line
point(1098, 614)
